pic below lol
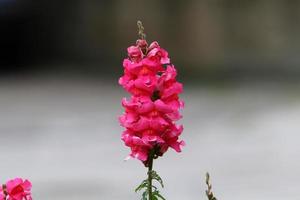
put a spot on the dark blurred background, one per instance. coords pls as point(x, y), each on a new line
point(59, 97)
point(207, 39)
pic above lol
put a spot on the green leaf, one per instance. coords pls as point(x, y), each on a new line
point(157, 194)
point(156, 177)
point(144, 184)
point(154, 187)
point(160, 196)
point(154, 197)
point(144, 197)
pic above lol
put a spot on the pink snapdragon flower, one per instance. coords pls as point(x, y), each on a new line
point(158, 53)
point(18, 189)
point(135, 53)
point(152, 110)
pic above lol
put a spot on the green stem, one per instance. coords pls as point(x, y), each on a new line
point(150, 166)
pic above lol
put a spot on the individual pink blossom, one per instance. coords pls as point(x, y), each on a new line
point(154, 106)
point(18, 189)
point(159, 53)
point(134, 53)
point(139, 78)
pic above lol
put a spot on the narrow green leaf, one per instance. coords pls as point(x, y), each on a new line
point(154, 197)
point(160, 196)
point(157, 194)
point(144, 184)
point(156, 177)
point(154, 187)
point(144, 197)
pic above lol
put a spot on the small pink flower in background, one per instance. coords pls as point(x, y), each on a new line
point(18, 189)
point(151, 112)
point(2, 195)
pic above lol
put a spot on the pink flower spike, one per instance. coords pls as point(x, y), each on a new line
point(154, 106)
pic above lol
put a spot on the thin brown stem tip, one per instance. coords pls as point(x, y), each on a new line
point(209, 192)
point(141, 29)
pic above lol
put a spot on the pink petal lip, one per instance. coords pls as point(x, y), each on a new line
point(145, 83)
point(176, 88)
point(177, 145)
point(132, 67)
point(162, 107)
point(154, 45)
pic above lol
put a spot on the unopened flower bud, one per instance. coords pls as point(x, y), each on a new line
point(142, 43)
point(135, 53)
point(154, 45)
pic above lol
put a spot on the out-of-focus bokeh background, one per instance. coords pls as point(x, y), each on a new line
point(59, 97)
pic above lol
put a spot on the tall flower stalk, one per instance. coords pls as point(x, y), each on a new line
point(152, 110)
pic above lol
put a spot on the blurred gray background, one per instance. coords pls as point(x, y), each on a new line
point(59, 98)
